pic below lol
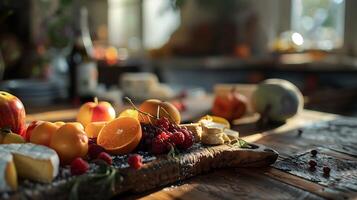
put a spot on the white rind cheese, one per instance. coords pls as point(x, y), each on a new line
point(7, 169)
point(34, 162)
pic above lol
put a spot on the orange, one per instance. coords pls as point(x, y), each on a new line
point(69, 141)
point(93, 128)
point(217, 119)
point(120, 136)
point(43, 133)
point(59, 123)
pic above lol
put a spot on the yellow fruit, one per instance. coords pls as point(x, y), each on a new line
point(217, 119)
point(130, 113)
point(12, 138)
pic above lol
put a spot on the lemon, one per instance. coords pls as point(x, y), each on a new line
point(130, 113)
point(13, 138)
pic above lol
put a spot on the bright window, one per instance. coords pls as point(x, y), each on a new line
point(320, 22)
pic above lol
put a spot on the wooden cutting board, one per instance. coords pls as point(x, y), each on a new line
point(104, 182)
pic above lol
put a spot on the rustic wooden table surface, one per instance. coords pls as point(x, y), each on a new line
point(334, 137)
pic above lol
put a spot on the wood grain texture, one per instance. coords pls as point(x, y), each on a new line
point(159, 172)
point(228, 184)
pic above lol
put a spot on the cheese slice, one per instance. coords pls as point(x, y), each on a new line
point(34, 162)
point(213, 139)
point(232, 134)
point(8, 176)
point(196, 130)
point(210, 127)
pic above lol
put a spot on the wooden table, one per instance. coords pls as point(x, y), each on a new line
point(334, 137)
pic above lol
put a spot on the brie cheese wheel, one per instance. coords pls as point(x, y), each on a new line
point(33, 162)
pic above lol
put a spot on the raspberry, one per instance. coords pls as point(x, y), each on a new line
point(135, 161)
point(163, 123)
point(160, 143)
point(163, 135)
point(79, 166)
point(189, 139)
point(177, 138)
point(94, 150)
point(105, 157)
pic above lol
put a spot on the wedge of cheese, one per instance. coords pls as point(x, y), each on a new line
point(30, 161)
point(8, 176)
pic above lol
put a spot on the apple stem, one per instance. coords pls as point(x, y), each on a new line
point(96, 100)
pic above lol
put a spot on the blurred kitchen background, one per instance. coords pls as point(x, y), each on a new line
point(62, 52)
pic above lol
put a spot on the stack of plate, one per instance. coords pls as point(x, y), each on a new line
point(32, 92)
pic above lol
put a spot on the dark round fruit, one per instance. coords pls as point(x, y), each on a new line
point(313, 152)
point(312, 163)
point(326, 170)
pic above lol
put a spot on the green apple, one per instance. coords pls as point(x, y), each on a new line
point(277, 100)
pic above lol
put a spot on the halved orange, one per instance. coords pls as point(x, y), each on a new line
point(120, 136)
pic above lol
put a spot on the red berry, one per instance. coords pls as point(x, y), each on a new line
point(177, 138)
point(94, 150)
point(79, 166)
point(163, 136)
point(163, 123)
point(135, 161)
point(189, 139)
point(159, 146)
point(105, 157)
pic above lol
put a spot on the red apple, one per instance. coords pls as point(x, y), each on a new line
point(12, 113)
point(95, 112)
point(230, 106)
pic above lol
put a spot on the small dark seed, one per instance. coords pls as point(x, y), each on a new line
point(326, 170)
point(300, 132)
point(313, 152)
point(312, 163)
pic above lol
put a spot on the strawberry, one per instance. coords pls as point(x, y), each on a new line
point(135, 161)
point(105, 157)
point(189, 139)
point(177, 138)
point(94, 150)
point(79, 166)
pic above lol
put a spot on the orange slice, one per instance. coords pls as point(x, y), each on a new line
point(120, 136)
point(130, 113)
point(217, 119)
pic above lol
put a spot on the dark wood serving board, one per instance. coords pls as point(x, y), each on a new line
point(103, 182)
